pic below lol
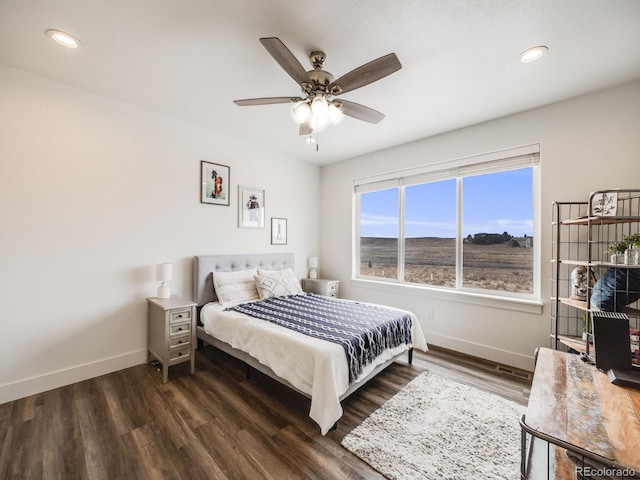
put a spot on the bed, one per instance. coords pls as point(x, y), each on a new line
point(313, 367)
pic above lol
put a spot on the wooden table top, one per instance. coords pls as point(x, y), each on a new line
point(576, 403)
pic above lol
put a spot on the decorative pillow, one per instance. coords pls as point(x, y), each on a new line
point(277, 283)
point(237, 287)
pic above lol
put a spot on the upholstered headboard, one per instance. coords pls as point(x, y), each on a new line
point(203, 265)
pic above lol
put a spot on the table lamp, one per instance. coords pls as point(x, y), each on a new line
point(163, 274)
point(313, 264)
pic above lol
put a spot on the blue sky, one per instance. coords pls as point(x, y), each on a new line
point(493, 203)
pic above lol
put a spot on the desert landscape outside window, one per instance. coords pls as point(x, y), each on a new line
point(472, 228)
point(497, 231)
point(379, 244)
point(430, 233)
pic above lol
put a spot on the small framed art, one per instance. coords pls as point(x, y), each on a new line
point(214, 180)
point(604, 204)
point(278, 231)
point(250, 207)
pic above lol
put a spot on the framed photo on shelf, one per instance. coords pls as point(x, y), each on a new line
point(604, 204)
point(214, 183)
point(250, 207)
point(278, 231)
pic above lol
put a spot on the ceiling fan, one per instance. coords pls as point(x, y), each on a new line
point(317, 107)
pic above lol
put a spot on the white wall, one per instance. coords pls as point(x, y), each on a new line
point(587, 143)
point(93, 194)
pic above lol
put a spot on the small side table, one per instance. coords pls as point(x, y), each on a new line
point(171, 335)
point(321, 286)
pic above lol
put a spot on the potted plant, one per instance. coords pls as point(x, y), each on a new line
point(627, 242)
point(586, 326)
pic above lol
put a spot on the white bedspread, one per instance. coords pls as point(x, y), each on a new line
point(315, 367)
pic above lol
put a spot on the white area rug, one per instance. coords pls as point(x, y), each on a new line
point(435, 428)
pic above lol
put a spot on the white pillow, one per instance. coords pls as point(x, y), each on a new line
point(277, 283)
point(236, 287)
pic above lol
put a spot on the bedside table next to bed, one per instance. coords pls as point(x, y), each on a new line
point(321, 286)
point(171, 337)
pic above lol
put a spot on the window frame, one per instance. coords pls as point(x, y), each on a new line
point(458, 169)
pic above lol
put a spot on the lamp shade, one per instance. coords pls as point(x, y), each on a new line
point(313, 262)
point(319, 106)
point(164, 272)
point(301, 111)
point(334, 114)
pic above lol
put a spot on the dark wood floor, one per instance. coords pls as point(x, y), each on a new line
point(215, 424)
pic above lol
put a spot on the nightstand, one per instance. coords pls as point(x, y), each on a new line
point(171, 335)
point(321, 286)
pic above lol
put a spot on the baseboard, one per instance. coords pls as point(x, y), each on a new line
point(504, 357)
point(49, 381)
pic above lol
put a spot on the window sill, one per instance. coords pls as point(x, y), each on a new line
point(493, 301)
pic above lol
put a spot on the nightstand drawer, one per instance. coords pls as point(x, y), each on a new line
point(179, 352)
point(179, 328)
point(180, 316)
point(179, 340)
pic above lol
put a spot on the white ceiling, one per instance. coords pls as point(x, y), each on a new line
point(189, 59)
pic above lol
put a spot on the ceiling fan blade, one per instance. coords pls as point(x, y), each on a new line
point(287, 60)
point(266, 101)
point(366, 74)
point(360, 112)
point(305, 129)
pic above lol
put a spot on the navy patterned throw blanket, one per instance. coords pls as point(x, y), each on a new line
point(363, 330)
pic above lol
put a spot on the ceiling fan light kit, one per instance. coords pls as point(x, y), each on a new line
point(317, 113)
point(317, 108)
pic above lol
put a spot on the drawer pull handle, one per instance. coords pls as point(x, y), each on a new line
point(179, 342)
point(180, 329)
point(180, 316)
point(180, 354)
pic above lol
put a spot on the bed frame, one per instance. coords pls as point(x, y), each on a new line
point(203, 293)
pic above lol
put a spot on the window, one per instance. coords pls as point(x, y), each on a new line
point(430, 233)
point(379, 233)
point(468, 225)
point(497, 228)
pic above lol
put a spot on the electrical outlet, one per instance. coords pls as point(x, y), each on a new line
point(430, 314)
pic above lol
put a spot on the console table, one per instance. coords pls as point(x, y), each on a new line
point(577, 421)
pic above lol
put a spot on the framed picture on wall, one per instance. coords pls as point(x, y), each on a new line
point(250, 207)
point(278, 231)
point(214, 183)
point(604, 204)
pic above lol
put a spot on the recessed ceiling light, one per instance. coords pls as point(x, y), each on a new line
point(532, 54)
point(63, 38)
